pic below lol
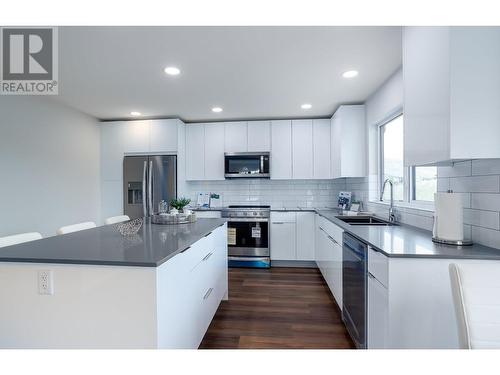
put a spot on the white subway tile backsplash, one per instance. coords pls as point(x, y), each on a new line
point(486, 219)
point(485, 201)
point(485, 236)
point(461, 169)
point(475, 184)
point(485, 167)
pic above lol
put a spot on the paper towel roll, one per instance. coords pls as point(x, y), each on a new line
point(448, 217)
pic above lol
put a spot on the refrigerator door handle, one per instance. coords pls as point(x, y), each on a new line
point(150, 189)
point(144, 209)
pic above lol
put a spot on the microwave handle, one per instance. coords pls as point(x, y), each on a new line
point(261, 163)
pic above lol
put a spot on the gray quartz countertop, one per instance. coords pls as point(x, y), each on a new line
point(150, 247)
point(405, 241)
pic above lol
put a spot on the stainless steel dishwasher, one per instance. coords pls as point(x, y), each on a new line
point(354, 288)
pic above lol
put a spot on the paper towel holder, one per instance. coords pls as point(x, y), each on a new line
point(451, 242)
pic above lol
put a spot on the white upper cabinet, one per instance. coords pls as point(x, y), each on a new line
point(163, 135)
point(136, 136)
point(302, 146)
point(451, 93)
point(281, 150)
point(348, 142)
point(195, 152)
point(321, 149)
point(112, 149)
point(259, 136)
point(236, 138)
point(214, 151)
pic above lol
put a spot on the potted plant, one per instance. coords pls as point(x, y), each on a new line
point(179, 204)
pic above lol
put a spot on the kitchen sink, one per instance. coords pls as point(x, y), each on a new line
point(365, 220)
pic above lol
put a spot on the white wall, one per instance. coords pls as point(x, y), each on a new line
point(49, 165)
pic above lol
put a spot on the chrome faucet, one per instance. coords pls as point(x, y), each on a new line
point(392, 216)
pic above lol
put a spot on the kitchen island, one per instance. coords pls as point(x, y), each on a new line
point(98, 289)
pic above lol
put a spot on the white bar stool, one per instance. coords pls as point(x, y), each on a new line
point(19, 238)
point(116, 219)
point(476, 295)
point(76, 227)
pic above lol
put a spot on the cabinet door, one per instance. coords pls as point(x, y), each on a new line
point(321, 149)
point(136, 136)
point(305, 235)
point(335, 145)
point(214, 151)
point(112, 150)
point(283, 240)
point(195, 152)
point(302, 149)
point(163, 136)
point(281, 150)
point(378, 314)
point(236, 137)
point(259, 136)
point(336, 270)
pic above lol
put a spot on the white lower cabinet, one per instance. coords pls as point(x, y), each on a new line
point(190, 288)
point(328, 255)
point(378, 314)
point(292, 236)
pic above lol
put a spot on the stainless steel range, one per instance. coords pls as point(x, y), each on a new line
point(248, 236)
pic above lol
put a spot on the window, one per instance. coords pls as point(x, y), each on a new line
point(410, 184)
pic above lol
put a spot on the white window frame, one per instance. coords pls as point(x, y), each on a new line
point(409, 172)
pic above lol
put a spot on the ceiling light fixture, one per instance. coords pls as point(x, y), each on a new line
point(350, 74)
point(135, 113)
point(172, 70)
point(216, 109)
point(306, 106)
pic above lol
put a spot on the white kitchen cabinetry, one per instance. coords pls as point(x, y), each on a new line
point(236, 139)
point(214, 151)
point(163, 136)
point(195, 152)
point(348, 142)
point(328, 255)
point(378, 314)
point(292, 236)
point(305, 235)
point(283, 240)
point(112, 150)
point(281, 150)
point(302, 149)
point(136, 136)
point(259, 136)
point(451, 94)
point(321, 149)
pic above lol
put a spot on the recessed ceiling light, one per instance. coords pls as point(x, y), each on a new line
point(216, 109)
point(350, 74)
point(306, 106)
point(172, 70)
point(135, 113)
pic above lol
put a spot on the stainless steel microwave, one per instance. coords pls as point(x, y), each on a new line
point(246, 165)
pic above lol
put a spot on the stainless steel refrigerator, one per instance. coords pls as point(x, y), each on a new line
point(146, 181)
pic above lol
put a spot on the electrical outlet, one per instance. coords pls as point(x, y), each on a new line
point(45, 282)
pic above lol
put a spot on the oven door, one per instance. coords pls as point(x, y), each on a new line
point(246, 165)
point(248, 237)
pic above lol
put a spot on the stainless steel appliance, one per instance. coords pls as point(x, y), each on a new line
point(246, 165)
point(354, 288)
point(248, 236)
point(146, 181)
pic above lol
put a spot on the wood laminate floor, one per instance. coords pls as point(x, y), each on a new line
point(277, 308)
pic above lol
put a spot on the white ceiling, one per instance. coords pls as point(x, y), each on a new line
point(251, 72)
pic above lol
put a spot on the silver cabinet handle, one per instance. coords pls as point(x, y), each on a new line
point(207, 256)
point(332, 239)
point(144, 193)
point(277, 222)
point(150, 188)
point(207, 294)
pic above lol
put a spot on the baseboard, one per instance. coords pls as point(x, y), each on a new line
point(294, 263)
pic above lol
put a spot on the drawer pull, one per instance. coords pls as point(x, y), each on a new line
point(278, 222)
point(332, 239)
point(207, 256)
point(207, 294)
